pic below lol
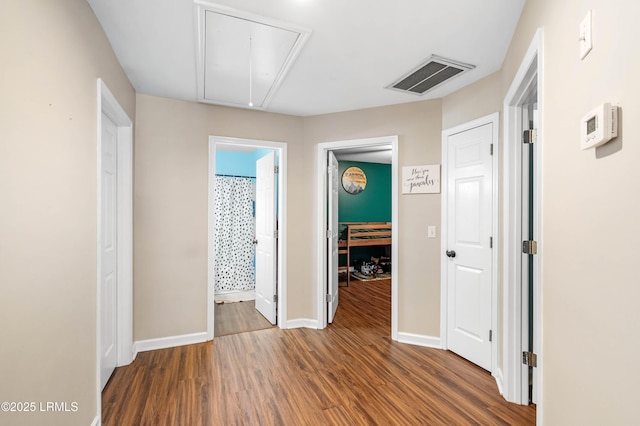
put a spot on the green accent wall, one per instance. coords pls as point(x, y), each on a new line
point(374, 203)
point(371, 205)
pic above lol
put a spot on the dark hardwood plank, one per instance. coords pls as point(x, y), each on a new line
point(238, 317)
point(351, 373)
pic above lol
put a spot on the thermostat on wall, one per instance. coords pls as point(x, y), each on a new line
point(599, 126)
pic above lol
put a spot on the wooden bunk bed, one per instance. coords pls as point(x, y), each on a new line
point(362, 234)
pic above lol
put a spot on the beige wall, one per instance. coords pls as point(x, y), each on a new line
point(590, 209)
point(52, 53)
point(477, 100)
point(170, 207)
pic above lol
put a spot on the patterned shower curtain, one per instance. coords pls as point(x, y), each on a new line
point(234, 234)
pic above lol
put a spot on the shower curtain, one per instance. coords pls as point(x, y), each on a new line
point(234, 234)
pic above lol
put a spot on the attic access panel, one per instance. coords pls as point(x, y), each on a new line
point(429, 75)
point(243, 58)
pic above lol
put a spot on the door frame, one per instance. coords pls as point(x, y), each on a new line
point(516, 300)
point(107, 104)
point(493, 119)
point(321, 223)
point(281, 215)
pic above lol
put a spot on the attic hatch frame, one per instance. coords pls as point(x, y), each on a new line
point(201, 8)
point(430, 74)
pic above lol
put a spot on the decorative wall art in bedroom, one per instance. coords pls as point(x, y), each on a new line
point(354, 180)
point(421, 179)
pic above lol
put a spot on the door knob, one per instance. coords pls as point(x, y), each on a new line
point(451, 253)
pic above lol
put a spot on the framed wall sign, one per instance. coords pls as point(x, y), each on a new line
point(354, 180)
point(421, 179)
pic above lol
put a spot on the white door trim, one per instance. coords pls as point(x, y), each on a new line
point(281, 149)
point(489, 119)
point(321, 236)
point(529, 76)
point(107, 104)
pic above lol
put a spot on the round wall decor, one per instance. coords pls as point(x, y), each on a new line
point(354, 180)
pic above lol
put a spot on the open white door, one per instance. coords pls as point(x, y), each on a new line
point(332, 236)
point(522, 217)
point(529, 261)
point(266, 236)
point(108, 251)
point(469, 222)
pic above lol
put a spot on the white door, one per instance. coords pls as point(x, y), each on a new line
point(266, 237)
point(332, 234)
point(108, 274)
point(469, 220)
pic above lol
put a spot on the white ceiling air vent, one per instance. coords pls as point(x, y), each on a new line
point(242, 58)
point(429, 75)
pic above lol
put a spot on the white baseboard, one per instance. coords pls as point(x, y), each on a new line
point(302, 323)
point(420, 340)
point(96, 421)
point(497, 374)
point(168, 342)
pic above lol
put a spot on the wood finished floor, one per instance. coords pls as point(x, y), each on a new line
point(348, 374)
point(238, 317)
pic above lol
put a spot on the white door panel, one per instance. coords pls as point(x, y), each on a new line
point(468, 290)
point(333, 237)
point(468, 211)
point(469, 271)
point(265, 235)
point(108, 281)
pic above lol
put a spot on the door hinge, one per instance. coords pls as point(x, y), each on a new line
point(529, 136)
point(530, 359)
point(276, 169)
point(491, 335)
point(328, 298)
point(329, 233)
point(491, 150)
point(275, 298)
point(490, 242)
point(530, 247)
point(275, 234)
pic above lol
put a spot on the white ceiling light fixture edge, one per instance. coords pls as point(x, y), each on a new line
point(201, 9)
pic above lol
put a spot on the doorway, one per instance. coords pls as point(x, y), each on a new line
point(469, 229)
point(246, 221)
point(114, 289)
point(523, 245)
point(328, 279)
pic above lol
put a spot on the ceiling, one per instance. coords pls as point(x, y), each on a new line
point(366, 154)
point(355, 48)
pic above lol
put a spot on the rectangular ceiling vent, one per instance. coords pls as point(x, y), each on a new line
point(429, 75)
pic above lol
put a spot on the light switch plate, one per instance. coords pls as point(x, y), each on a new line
point(585, 36)
point(431, 231)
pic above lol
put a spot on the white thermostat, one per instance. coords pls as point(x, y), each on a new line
point(599, 126)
